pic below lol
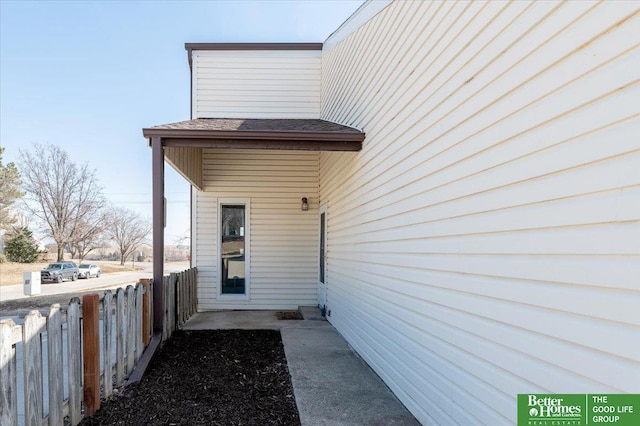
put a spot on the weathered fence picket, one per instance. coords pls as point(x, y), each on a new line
point(9, 336)
point(74, 361)
point(121, 336)
point(54, 354)
point(34, 324)
point(168, 320)
point(131, 328)
point(131, 333)
point(138, 318)
point(107, 338)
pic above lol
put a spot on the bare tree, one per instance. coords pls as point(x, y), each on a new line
point(63, 195)
point(183, 240)
point(89, 236)
point(128, 230)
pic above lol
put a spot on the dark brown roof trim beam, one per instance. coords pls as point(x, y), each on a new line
point(247, 135)
point(296, 145)
point(190, 47)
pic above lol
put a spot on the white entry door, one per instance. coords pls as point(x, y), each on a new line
point(322, 260)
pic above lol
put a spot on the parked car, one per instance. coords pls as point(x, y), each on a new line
point(88, 270)
point(59, 271)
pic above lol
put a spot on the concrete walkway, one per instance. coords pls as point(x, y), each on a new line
point(332, 385)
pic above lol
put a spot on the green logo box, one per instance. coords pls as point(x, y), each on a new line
point(578, 409)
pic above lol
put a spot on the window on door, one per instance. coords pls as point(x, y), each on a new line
point(233, 245)
point(323, 233)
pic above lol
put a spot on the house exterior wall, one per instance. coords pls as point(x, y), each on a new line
point(485, 241)
point(283, 239)
point(256, 84)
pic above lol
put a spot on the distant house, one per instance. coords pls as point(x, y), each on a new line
point(457, 183)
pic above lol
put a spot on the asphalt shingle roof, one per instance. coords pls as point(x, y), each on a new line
point(258, 125)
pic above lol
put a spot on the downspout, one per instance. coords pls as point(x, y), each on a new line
point(190, 59)
point(158, 214)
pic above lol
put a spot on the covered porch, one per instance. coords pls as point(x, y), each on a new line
point(258, 174)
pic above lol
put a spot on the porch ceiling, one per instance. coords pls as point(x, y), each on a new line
point(233, 133)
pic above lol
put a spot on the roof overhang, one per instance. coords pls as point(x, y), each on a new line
point(182, 145)
point(191, 47)
point(283, 134)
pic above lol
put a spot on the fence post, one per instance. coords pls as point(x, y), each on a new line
point(91, 345)
point(121, 335)
point(8, 382)
point(146, 314)
point(107, 336)
point(75, 361)
point(54, 355)
point(32, 357)
point(139, 345)
point(174, 300)
point(158, 304)
point(131, 328)
point(194, 291)
point(165, 316)
point(187, 297)
point(179, 296)
point(188, 274)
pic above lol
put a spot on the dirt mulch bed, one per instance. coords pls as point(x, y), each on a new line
point(289, 315)
point(209, 377)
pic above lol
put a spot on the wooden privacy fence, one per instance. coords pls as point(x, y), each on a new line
point(95, 345)
point(180, 300)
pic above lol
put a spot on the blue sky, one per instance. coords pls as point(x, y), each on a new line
point(88, 76)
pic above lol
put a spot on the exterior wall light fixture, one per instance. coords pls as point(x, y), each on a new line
point(305, 204)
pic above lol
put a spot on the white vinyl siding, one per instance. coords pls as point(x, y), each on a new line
point(187, 162)
point(284, 258)
point(256, 84)
point(486, 240)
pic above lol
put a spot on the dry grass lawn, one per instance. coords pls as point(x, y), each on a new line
point(11, 272)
